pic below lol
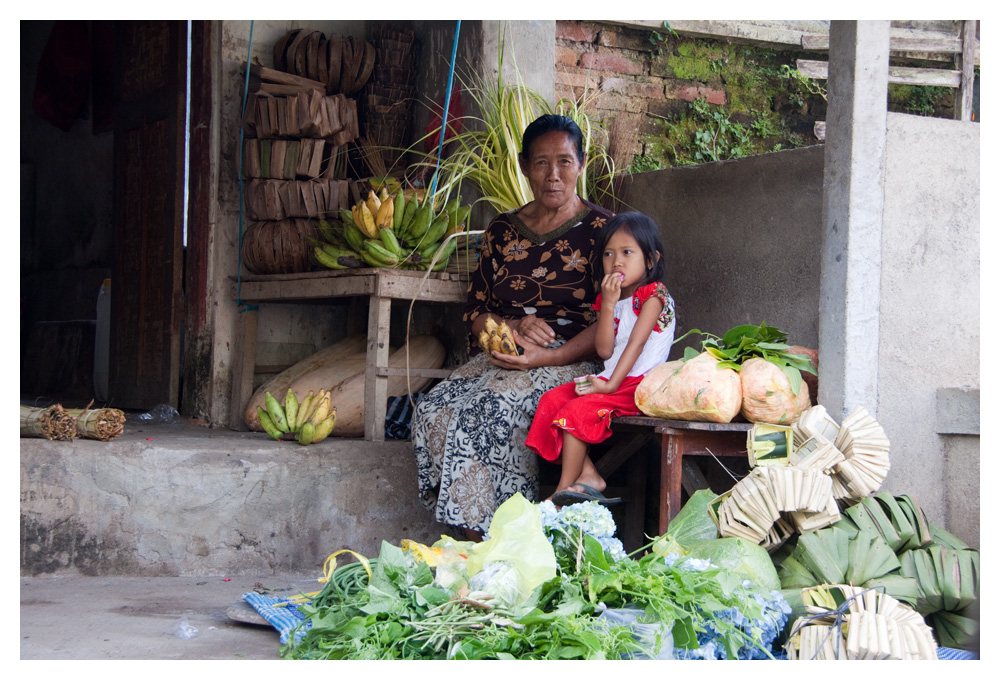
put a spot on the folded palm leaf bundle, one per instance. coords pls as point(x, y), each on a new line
point(844, 622)
point(885, 543)
point(769, 444)
point(815, 421)
point(866, 450)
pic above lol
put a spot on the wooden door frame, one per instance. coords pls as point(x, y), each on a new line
point(149, 134)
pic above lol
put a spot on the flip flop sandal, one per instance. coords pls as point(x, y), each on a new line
point(567, 497)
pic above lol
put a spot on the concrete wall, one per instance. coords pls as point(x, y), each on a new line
point(929, 318)
point(741, 239)
point(190, 504)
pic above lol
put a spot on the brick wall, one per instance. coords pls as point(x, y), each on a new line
point(619, 71)
point(633, 83)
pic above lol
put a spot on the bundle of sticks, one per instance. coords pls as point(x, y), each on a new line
point(58, 423)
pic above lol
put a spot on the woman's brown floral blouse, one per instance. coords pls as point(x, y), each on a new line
point(551, 276)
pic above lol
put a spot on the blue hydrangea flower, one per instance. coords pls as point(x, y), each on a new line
point(591, 517)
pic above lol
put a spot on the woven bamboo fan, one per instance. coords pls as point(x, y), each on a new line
point(278, 246)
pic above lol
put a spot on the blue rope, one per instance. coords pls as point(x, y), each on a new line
point(239, 174)
point(447, 102)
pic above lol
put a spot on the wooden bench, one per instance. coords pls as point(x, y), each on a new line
point(676, 440)
point(381, 286)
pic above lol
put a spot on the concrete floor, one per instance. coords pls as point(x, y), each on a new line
point(117, 615)
point(136, 618)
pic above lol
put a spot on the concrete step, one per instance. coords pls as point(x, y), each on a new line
point(179, 499)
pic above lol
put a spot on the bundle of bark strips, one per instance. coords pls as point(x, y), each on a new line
point(103, 424)
point(58, 423)
point(48, 422)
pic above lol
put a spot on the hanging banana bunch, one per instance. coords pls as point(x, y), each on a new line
point(391, 230)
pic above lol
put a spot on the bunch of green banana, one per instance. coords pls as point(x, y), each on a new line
point(391, 231)
point(307, 422)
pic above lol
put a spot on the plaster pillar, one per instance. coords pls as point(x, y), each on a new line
point(851, 252)
point(529, 53)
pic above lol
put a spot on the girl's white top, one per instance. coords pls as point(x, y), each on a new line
point(657, 346)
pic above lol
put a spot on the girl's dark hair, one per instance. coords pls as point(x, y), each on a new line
point(646, 234)
point(552, 123)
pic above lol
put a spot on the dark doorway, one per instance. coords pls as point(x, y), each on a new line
point(104, 108)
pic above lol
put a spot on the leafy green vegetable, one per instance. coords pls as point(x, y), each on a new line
point(691, 525)
point(740, 557)
point(746, 342)
point(403, 611)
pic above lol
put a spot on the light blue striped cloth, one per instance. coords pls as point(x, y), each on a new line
point(949, 654)
point(284, 618)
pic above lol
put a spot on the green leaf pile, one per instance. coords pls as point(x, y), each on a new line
point(748, 341)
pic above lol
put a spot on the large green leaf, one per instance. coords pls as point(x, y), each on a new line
point(692, 523)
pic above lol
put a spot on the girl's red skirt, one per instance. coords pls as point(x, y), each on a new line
point(587, 417)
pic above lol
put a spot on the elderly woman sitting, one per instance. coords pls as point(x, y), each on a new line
point(535, 272)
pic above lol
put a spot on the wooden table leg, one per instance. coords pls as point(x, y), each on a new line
point(665, 455)
point(244, 362)
point(674, 446)
point(671, 461)
point(377, 386)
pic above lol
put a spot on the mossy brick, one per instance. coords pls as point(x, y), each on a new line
point(690, 93)
point(577, 78)
point(698, 60)
point(650, 126)
point(646, 89)
point(666, 108)
point(624, 38)
point(614, 102)
point(615, 63)
point(576, 31)
point(659, 65)
point(566, 56)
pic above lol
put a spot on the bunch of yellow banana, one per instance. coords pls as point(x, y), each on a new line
point(308, 422)
point(497, 337)
point(391, 231)
point(374, 213)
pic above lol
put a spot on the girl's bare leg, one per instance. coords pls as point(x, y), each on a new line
point(577, 468)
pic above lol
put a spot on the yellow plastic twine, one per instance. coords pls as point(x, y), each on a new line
point(328, 568)
point(331, 564)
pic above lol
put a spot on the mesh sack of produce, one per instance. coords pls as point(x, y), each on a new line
point(809, 378)
point(696, 389)
point(768, 396)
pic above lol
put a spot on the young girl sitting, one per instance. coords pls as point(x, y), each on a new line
point(635, 329)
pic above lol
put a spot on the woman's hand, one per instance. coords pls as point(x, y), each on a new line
point(532, 355)
point(533, 329)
